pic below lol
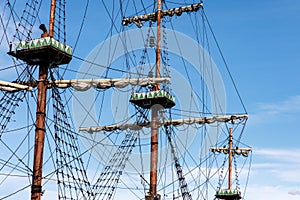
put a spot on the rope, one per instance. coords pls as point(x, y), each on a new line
point(226, 65)
point(109, 177)
point(71, 174)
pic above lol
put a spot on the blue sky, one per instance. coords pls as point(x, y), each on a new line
point(261, 44)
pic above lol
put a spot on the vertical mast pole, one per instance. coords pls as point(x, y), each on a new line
point(158, 46)
point(230, 160)
point(154, 124)
point(52, 17)
point(36, 188)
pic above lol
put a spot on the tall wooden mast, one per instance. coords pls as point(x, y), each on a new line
point(36, 189)
point(44, 51)
point(155, 110)
point(157, 95)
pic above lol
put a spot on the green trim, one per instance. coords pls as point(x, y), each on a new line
point(43, 42)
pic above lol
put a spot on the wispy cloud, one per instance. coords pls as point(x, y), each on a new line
point(290, 105)
point(288, 155)
point(294, 192)
point(270, 111)
point(281, 165)
point(261, 192)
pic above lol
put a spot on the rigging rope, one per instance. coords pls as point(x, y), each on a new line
point(10, 101)
point(70, 170)
point(71, 174)
point(226, 65)
point(27, 20)
point(60, 19)
point(181, 179)
point(109, 177)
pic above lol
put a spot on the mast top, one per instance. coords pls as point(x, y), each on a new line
point(163, 13)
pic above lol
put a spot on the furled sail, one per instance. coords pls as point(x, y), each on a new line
point(177, 122)
point(85, 84)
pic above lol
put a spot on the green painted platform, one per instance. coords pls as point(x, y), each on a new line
point(41, 51)
point(147, 99)
point(228, 194)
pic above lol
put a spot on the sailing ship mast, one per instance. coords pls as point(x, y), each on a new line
point(230, 193)
point(45, 52)
point(164, 100)
point(48, 51)
point(155, 110)
point(36, 188)
point(42, 53)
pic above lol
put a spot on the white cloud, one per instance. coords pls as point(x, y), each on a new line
point(276, 166)
point(290, 105)
point(288, 155)
point(264, 165)
point(271, 111)
point(261, 192)
point(294, 192)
